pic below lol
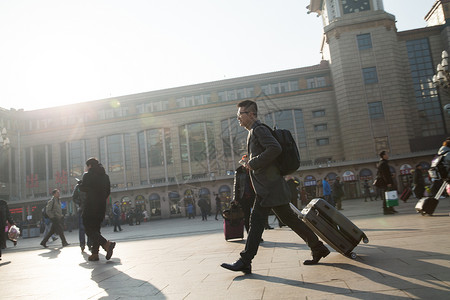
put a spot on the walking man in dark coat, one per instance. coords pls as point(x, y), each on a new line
point(96, 185)
point(272, 192)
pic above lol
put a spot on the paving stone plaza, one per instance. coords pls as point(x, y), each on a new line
point(407, 257)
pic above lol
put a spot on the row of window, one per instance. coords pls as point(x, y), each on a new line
point(197, 145)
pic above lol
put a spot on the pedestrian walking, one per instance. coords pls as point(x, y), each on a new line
point(96, 185)
point(54, 212)
point(419, 182)
point(218, 206)
point(384, 181)
point(366, 188)
point(272, 192)
point(337, 192)
point(116, 216)
point(79, 198)
point(327, 192)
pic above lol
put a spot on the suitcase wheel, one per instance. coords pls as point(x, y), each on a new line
point(365, 240)
point(353, 255)
point(423, 213)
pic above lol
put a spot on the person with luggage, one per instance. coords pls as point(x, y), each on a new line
point(419, 182)
point(384, 181)
point(272, 192)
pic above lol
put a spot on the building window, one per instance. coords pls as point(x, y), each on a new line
point(315, 82)
point(364, 41)
point(376, 110)
point(292, 120)
point(320, 127)
point(426, 96)
point(370, 75)
point(318, 113)
point(280, 87)
point(322, 141)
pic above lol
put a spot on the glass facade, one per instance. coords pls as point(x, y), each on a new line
point(292, 120)
point(197, 148)
point(155, 148)
point(427, 99)
point(115, 152)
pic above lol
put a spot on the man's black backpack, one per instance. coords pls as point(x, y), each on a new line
point(289, 159)
point(437, 169)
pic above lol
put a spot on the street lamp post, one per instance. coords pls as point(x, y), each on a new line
point(441, 79)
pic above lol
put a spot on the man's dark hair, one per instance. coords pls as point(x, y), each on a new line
point(249, 105)
point(92, 162)
point(54, 191)
point(382, 153)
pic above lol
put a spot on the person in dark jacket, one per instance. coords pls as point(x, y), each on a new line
point(116, 216)
point(96, 185)
point(5, 215)
point(79, 198)
point(337, 192)
point(387, 183)
point(419, 182)
point(272, 191)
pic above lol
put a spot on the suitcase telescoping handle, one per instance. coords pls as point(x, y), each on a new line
point(296, 211)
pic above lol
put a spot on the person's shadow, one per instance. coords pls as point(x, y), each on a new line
point(389, 269)
point(52, 253)
point(118, 284)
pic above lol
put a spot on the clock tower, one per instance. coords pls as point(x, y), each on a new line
point(360, 43)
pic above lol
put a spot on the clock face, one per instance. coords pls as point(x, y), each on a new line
point(351, 6)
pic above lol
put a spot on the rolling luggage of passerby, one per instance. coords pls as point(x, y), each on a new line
point(332, 226)
point(405, 194)
point(427, 205)
point(233, 223)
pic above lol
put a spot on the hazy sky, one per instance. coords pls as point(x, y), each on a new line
point(56, 52)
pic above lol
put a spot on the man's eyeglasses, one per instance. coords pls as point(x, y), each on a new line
point(242, 113)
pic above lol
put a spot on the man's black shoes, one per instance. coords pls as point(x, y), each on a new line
point(237, 266)
point(317, 255)
point(43, 244)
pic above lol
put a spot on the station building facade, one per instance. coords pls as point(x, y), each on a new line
point(162, 149)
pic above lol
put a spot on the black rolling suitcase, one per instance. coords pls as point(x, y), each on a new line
point(427, 205)
point(333, 227)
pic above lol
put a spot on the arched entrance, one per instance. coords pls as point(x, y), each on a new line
point(204, 193)
point(366, 175)
point(139, 202)
point(310, 186)
point(155, 205)
point(350, 185)
point(174, 204)
point(405, 177)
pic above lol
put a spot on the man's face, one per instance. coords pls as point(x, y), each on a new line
point(244, 117)
point(57, 194)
